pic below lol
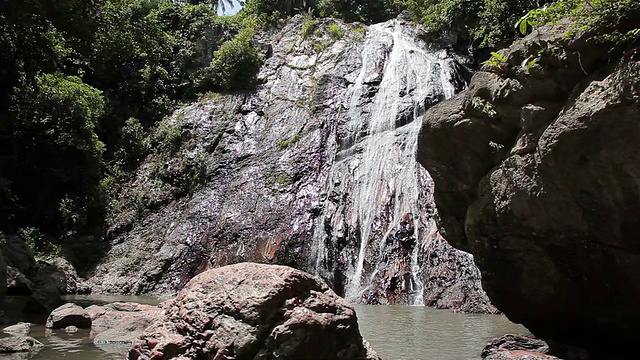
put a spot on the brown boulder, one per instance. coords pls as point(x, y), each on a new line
point(255, 311)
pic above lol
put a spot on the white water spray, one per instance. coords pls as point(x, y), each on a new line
point(380, 173)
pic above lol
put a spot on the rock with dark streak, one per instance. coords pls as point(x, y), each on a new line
point(543, 186)
point(255, 311)
point(3, 280)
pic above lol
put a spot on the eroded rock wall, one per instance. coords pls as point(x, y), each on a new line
point(537, 172)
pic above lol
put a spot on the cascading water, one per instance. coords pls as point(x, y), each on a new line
point(374, 187)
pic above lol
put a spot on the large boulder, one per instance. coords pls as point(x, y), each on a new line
point(537, 172)
point(254, 311)
point(67, 315)
point(60, 273)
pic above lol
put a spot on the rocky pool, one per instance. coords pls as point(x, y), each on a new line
point(395, 332)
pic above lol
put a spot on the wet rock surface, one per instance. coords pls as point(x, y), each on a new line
point(314, 170)
point(542, 185)
point(254, 311)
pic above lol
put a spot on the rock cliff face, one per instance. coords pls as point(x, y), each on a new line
point(537, 172)
point(315, 170)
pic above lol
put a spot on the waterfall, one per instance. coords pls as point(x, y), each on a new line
point(373, 186)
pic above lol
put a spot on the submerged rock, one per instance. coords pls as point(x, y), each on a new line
point(19, 344)
point(537, 173)
point(67, 315)
point(253, 311)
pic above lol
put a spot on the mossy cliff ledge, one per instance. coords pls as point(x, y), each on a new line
point(537, 173)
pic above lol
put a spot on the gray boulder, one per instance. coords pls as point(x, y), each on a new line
point(248, 311)
point(69, 315)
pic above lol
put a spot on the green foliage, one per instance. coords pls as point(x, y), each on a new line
point(365, 11)
point(166, 137)
point(308, 27)
point(285, 144)
point(604, 17)
point(483, 106)
point(133, 144)
point(335, 31)
point(38, 242)
point(497, 62)
point(486, 22)
point(495, 147)
point(80, 84)
point(50, 134)
point(235, 63)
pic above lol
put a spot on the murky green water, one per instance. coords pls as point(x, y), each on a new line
point(395, 332)
point(416, 332)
